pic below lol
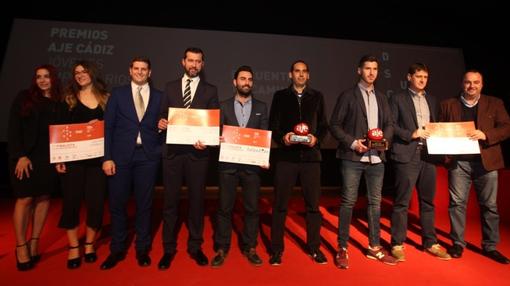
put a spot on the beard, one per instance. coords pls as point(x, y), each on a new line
point(244, 92)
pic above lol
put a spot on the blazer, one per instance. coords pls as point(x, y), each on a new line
point(122, 126)
point(402, 107)
point(349, 122)
point(259, 119)
point(206, 97)
point(492, 119)
point(287, 111)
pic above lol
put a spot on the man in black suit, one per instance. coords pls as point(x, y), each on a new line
point(244, 111)
point(297, 104)
point(185, 162)
point(412, 165)
point(357, 110)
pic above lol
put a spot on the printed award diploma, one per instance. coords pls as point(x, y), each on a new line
point(74, 142)
point(245, 146)
point(187, 126)
point(451, 138)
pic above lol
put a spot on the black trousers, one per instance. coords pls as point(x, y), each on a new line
point(421, 174)
point(285, 178)
point(177, 170)
point(82, 182)
point(250, 183)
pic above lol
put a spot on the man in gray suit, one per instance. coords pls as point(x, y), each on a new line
point(244, 111)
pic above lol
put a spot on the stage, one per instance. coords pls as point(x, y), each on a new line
point(297, 268)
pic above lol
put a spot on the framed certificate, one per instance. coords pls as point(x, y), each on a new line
point(451, 138)
point(187, 126)
point(245, 146)
point(74, 142)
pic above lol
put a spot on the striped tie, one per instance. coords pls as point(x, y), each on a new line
point(187, 94)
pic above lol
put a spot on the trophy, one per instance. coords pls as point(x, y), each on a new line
point(300, 133)
point(376, 141)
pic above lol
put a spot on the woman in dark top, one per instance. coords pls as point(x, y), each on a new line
point(32, 177)
point(85, 100)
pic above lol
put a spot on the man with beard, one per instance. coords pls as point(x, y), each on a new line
point(244, 111)
point(185, 162)
point(357, 110)
point(293, 106)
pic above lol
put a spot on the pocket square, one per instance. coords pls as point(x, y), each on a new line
point(258, 114)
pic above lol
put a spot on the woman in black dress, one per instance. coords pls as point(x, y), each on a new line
point(85, 100)
point(32, 177)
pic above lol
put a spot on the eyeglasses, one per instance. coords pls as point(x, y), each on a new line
point(81, 72)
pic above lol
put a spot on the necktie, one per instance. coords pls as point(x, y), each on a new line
point(140, 107)
point(187, 94)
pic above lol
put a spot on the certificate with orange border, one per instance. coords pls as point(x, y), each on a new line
point(245, 146)
point(451, 138)
point(187, 126)
point(74, 142)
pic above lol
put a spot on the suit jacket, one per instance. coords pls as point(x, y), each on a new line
point(122, 126)
point(259, 119)
point(349, 122)
point(402, 107)
point(286, 112)
point(492, 119)
point(206, 97)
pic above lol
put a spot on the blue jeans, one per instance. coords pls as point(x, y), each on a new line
point(351, 172)
point(486, 188)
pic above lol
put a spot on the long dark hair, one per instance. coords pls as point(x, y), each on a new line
point(35, 94)
point(98, 85)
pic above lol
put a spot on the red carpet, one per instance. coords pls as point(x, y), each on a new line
point(297, 269)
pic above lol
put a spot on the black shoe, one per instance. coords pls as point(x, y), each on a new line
point(199, 257)
point(252, 257)
point(112, 260)
point(143, 259)
point(37, 257)
point(496, 256)
point(276, 258)
point(456, 251)
point(23, 266)
point(318, 257)
point(74, 263)
point(166, 260)
point(90, 257)
point(219, 259)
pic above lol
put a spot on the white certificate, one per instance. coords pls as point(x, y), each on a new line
point(245, 146)
point(187, 126)
point(450, 138)
point(74, 142)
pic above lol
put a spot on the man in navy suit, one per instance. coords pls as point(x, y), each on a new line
point(412, 110)
point(244, 111)
point(357, 110)
point(186, 162)
point(131, 159)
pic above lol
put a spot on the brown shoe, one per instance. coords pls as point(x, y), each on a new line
point(378, 253)
point(342, 258)
point(438, 252)
point(397, 251)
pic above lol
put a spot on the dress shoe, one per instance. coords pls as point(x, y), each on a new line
point(219, 259)
point(496, 256)
point(90, 257)
point(318, 257)
point(252, 257)
point(112, 260)
point(23, 266)
point(342, 258)
point(143, 259)
point(276, 258)
point(73, 263)
point(199, 257)
point(456, 251)
point(166, 260)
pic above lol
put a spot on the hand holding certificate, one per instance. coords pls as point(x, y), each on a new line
point(74, 142)
point(188, 126)
point(452, 138)
point(245, 146)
